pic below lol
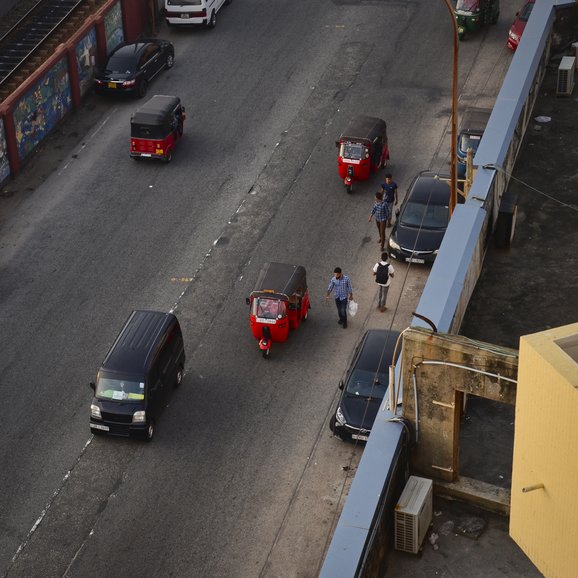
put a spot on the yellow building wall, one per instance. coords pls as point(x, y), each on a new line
point(544, 522)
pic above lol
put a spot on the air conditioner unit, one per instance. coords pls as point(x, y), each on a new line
point(565, 84)
point(413, 514)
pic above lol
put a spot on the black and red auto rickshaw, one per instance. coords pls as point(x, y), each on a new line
point(363, 149)
point(156, 127)
point(280, 302)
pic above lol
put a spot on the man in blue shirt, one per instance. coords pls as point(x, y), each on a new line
point(341, 284)
point(390, 192)
point(380, 211)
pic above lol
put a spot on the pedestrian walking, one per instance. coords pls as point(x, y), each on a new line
point(341, 285)
point(379, 209)
point(384, 273)
point(390, 195)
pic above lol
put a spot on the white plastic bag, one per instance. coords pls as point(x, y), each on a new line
point(352, 307)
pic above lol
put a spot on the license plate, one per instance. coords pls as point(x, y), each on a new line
point(359, 437)
point(112, 85)
point(265, 320)
point(146, 155)
point(184, 15)
point(414, 260)
point(99, 426)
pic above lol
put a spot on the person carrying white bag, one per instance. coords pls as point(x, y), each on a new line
point(341, 284)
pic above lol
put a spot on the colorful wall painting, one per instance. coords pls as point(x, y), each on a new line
point(4, 164)
point(42, 107)
point(113, 28)
point(86, 60)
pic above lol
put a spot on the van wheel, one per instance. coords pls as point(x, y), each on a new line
point(227, 2)
point(150, 431)
point(332, 423)
point(179, 379)
point(213, 21)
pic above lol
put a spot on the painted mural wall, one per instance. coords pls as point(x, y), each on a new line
point(42, 107)
point(85, 60)
point(4, 164)
point(113, 28)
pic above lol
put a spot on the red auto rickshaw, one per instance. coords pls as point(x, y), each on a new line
point(363, 149)
point(280, 302)
point(156, 127)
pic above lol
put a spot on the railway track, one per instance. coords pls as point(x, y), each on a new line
point(25, 37)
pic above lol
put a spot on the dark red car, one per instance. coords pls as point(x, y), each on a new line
point(519, 24)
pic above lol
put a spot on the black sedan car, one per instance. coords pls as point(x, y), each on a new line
point(365, 384)
point(131, 67)
point(422, 219)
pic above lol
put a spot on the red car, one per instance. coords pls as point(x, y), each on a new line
point(519, 24)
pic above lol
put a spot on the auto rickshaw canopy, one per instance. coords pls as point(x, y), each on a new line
point(156, 118)
point(365, 129)
point(280, 281)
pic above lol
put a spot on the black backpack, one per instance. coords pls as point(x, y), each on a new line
point(382, 273)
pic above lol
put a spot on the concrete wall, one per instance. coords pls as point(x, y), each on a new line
point(545, 445)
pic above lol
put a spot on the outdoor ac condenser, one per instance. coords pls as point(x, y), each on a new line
point(565, 84)
point(413, 514)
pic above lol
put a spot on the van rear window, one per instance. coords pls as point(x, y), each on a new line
point(119, 389)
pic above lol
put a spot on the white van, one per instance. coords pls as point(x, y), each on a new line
point(193, 11)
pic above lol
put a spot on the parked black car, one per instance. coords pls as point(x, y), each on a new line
point(365, 384)
point(131, 67)
point(133, 385)
point(422, 219)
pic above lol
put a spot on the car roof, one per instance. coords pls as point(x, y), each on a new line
point(134, 349)
point(430, 187)
point(376, 350)
point(132, 49)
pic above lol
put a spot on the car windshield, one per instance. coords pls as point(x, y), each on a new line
point(352, 151)
point(526, 11)
point(428, 216)
point(264, 308)
point(363, 383)
point(120, 65)
point(468, 5)
point(119, 389)
point(470, 141)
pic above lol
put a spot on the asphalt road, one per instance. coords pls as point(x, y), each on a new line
point(87, 235)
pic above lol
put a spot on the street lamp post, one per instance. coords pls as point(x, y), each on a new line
point(453, 162)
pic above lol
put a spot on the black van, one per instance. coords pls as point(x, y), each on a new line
point(138, 373)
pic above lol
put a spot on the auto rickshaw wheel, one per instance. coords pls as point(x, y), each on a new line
point(306, 314)
point(348, 189)
point(265, 353)
point(169, 156)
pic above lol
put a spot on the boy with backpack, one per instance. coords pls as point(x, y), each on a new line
point(383, 272)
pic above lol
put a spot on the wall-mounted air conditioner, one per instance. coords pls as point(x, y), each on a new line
point(565, 84)
point(413, 514)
